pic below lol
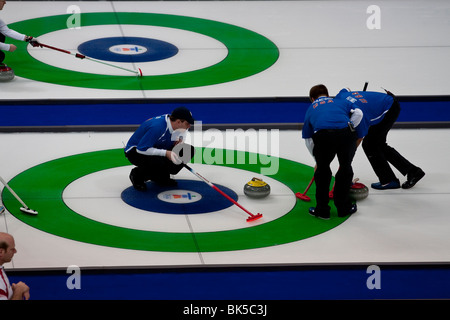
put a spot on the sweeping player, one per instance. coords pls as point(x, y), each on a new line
point(152, 148)
point(328, 131)
point(381, 110)
point(6, 32)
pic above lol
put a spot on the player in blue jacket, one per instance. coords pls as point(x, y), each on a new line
point(381, 110)
point(150, 148)
point(328, 132)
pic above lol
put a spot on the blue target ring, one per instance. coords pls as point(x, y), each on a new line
point(128, 49)
point(188, 197)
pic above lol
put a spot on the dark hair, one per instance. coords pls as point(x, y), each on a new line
point(317, 91)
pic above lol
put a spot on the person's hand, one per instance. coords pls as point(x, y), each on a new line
point(172, 156)
point(33, 41)
point(20, 291)
point(12, 48)
point(178, 142)
point(356, 117)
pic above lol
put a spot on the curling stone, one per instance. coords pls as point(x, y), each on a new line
point(256, 188)
point(6, 73)
point(358, 191)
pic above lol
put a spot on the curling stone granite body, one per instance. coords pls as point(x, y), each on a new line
point(256, 188)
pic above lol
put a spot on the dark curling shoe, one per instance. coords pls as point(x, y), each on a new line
point(138, 185)
point(352, 210)
point(312, 211)
point(412, 178)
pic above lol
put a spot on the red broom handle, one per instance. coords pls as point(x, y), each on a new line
point(218, 190)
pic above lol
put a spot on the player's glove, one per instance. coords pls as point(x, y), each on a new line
point(33, 41)
point(356, 117)
point(175, 158)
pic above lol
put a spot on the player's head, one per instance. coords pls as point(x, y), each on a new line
point(318, 91)
point(2, 4)
point(7, 248)
point(183, 117)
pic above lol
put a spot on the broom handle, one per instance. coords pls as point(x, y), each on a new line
point(82, 56)
point(365, 86)
point(218, 190)
point(231, 199)
point(12, 192)
point(54, 48)
point(309, 185)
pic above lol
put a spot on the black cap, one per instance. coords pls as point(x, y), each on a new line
point(183, 113)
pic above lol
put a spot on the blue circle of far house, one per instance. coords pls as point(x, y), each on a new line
point(210, 200)
point(128, 49)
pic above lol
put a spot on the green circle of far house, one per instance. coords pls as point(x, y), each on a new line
point(41, 188)
point(248, 52)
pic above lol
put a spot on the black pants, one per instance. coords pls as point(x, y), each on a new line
point(327, 145)
point(155, 168)
point(379, 153)
point(2, 54)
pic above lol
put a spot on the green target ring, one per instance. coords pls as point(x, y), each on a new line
point(42, 186)
point(248, 53)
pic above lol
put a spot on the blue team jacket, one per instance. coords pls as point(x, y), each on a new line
point(326, 113)
point(153, 133)
point(374, 106)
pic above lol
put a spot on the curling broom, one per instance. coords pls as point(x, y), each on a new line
point(25, 208)
point(252, 216)
point(82, 56)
